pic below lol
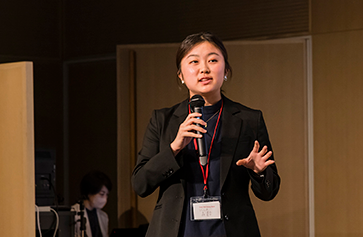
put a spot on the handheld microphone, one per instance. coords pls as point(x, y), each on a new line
point(196, 104)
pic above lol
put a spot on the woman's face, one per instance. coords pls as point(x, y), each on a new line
point(99, 200)
point(203, 70)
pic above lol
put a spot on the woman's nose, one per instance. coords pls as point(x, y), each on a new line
point(204, 68)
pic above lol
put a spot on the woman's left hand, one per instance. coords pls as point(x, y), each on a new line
point(257, 161)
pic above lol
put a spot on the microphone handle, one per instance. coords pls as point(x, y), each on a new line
point(200, 141)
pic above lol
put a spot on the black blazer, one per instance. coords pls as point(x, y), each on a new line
point(157, 167)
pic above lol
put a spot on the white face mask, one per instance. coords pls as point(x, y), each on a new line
point(98, 201)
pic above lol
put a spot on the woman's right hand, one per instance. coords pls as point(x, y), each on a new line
point(187, 131)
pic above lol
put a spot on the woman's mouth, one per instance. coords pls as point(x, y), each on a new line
point(205, 79)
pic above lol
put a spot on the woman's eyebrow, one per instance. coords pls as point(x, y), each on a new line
point(213, 53)
point(196, 55)
point(192, 55)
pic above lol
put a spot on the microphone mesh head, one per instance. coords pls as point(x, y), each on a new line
point(196, 101)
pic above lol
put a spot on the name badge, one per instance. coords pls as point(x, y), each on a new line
point(202, 208)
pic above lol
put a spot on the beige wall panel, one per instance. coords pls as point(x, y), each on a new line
point(17, 200)
point(271, 76)
point(336, 15)
point(123, 140)
point(157, 87)
point(338, 133)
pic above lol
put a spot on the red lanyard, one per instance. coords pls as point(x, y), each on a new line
point(205, 172)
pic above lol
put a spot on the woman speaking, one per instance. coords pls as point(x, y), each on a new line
point(204, 152)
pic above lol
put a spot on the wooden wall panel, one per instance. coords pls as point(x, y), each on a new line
point(17, 215)
point(333, 16)
point(31, 30)
point(271, 76)
point(146, 22)
point(338, 116)
point(156, 88)
point(123, 140)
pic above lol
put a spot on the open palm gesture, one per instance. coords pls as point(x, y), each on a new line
point(257, 160)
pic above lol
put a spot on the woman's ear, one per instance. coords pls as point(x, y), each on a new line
point(180, 75)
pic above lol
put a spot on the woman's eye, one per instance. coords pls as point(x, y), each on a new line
point(193, 61)
point(213, 60)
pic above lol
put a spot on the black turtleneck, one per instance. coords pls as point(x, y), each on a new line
point(194, 178)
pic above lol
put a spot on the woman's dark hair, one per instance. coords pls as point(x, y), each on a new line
point(190, 41)
point(93, 182)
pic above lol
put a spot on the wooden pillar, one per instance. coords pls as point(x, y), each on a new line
point(17, 199)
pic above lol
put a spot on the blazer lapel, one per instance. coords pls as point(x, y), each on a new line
point(179, 116)
point(230, 132)
point(231, 127)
